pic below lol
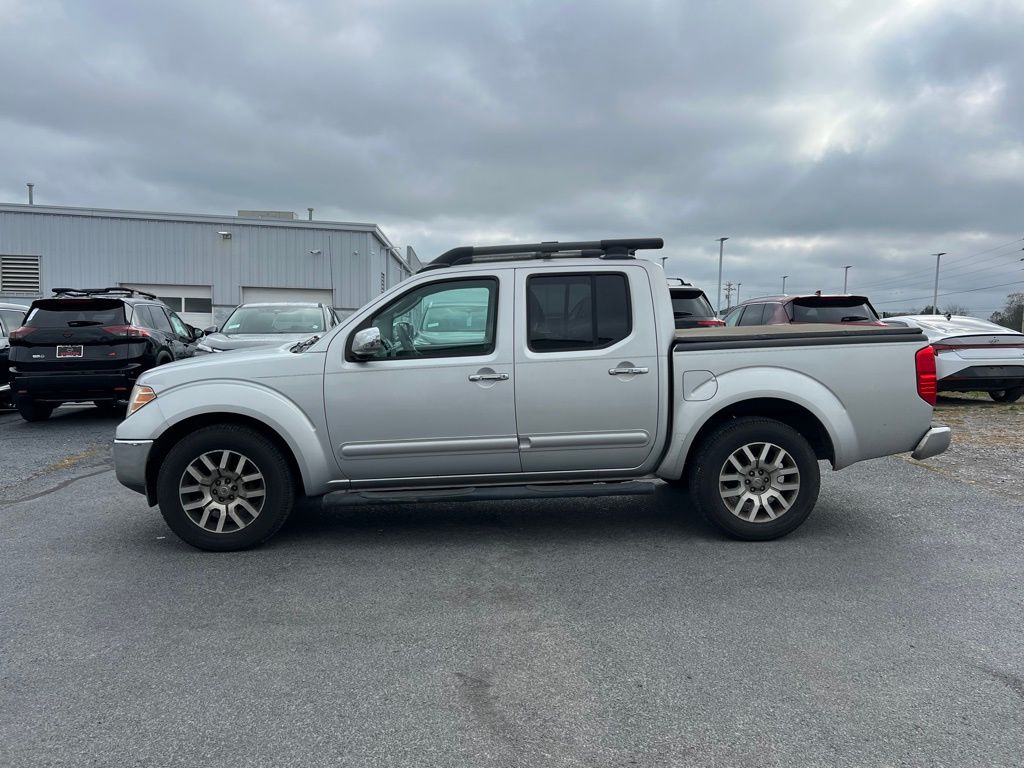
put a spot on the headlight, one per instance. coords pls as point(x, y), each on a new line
point(206, 348)
point(141, 395)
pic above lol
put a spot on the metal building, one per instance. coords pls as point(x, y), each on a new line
point(201, 266)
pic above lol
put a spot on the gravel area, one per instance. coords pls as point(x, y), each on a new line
point(988, 443)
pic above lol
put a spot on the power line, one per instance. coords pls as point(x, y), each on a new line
point(899, 277)
point(958, 271)
point(950, 293)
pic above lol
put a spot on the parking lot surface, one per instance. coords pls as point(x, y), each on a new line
point(885, 631)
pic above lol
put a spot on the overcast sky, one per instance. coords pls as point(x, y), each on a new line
point(813, 134)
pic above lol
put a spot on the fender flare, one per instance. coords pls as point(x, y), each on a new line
point(260, 403)
point(734, 388)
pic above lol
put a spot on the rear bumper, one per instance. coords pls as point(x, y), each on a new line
point(935, 441)
point(983, 378)
point(130, 457)
point(69, 386)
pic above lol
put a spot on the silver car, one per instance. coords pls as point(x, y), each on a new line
point(268, 324)
point(972, 355)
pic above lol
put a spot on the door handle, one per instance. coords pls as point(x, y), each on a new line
point(488, 377)
point(627, 371)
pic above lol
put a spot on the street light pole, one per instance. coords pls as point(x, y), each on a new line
point(721, 249)
point(784, 284)
point(935, 296)
point(738, 293)
point(846, 272)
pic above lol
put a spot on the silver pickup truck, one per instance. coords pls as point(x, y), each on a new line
point(540, 370)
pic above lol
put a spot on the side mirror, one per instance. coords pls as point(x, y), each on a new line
point(367, 343)
point(211, 329)
point(195, 333)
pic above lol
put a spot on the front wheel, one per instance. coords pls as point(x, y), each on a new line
point(1011, 395)
point(225, 487)
point(755, 478)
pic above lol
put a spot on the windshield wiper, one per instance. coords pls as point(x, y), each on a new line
point(302, 346)
point(854, 318)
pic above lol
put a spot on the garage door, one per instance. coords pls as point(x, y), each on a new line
point(250, 295)
point(192, 302)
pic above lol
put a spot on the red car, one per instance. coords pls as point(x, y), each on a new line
point(816, 308)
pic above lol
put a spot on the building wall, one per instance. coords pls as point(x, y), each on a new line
point(85, 248)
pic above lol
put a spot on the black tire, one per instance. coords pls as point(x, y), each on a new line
point(280, 486)
point(710, 461)
point(33, 410)
point(1011, 395)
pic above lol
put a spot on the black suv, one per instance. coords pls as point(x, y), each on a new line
point(690, 306)
point(91, 345)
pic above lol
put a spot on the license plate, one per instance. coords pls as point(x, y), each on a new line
point(69, 350)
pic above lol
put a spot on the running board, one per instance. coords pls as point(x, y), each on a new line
point(491, 493)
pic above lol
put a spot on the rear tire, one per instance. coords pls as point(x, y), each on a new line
point(33, 410)
point(213, 472)
point(1011, 395)
point(755, 478)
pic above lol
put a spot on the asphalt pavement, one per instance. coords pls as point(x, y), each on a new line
point(595, 632)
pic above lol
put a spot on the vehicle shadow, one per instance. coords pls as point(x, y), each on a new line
point(667, 510)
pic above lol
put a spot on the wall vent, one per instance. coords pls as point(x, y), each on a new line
point(19, 275)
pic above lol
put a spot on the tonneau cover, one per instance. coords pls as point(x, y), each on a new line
point(793, 335)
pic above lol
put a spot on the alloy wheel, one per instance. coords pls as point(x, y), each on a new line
point(222, 491)
point(759, 482)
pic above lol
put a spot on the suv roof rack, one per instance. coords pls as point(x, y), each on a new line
point(113, 290)
point(624, 248)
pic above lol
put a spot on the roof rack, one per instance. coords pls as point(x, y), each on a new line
point(114, 290)
point(600, 249)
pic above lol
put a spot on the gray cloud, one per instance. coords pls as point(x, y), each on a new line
point(813, 134)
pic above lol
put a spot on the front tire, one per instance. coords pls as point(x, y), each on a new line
point(225, 488)
point(755, 478)
point(33, 410)
point(1011, 395)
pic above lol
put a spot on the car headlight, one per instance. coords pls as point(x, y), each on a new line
point(141, 394)
point(206, 348)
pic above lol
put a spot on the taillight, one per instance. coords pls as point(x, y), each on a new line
point(126, 330)
point(710, 323)
point(20, 333)
point(927, 381)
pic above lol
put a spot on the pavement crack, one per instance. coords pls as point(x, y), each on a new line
point(57, 487)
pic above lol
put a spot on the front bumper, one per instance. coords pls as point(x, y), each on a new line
point(130, 457)
point(935, 441)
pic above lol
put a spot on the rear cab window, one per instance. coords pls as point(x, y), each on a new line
point(577, 311)
point(833, 309)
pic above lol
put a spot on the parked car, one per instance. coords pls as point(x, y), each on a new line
point(814, 308)
point(690, 306)
point(972, 355)
point(577, 384)
point(90, 345)
point(269, 324)
point(11, 316)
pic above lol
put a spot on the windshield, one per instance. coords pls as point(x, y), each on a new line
point(833, 309)
point(275, 319)
point(691, 304)
point(75, 313)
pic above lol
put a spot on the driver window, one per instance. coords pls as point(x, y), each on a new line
point(446, 319)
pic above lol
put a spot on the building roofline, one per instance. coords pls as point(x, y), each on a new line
point(194, 218)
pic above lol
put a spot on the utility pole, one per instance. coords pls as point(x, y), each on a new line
point(721, 249)
point(846, 272)
point(935, 299)
point(728, 294)
point(784, 284)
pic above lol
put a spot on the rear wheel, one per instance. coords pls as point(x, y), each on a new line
point(1011, 395)
point(224, 488)
point(755, 478)
point(33, 410)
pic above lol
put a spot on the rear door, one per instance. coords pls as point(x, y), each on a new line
point(72, 334)
point(586, 368)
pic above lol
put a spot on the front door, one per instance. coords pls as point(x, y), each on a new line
point(586, 369)
point(438, 400)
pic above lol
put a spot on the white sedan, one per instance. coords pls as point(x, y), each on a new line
point(973, 355)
